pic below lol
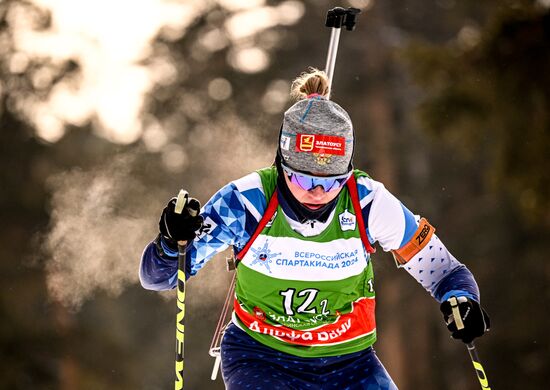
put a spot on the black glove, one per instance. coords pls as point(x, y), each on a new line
point(180, 227)
point(474, 319)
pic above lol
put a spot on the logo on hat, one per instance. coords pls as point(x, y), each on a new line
point(322, 144)
point(285, 142)
point(322, 159)
point(307, 141)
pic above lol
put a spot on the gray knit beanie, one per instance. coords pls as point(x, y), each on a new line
point(317, 137)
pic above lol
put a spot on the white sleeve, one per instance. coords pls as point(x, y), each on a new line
point(387, 220)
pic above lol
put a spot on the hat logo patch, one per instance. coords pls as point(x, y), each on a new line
point(321, 144)
point(306, 142)
point(322, 159)
point(285, 142)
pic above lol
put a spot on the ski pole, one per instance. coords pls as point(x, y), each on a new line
point(477, 365)
point(180, 327)
point(480, 372)
point(336, 17)
point(215, 346)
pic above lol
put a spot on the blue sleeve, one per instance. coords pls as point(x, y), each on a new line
point(227, 222)
point(157, 272)
point(459, 282)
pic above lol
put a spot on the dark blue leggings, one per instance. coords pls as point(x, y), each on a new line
point(248, 364)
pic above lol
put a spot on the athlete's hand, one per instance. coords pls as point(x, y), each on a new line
point(473, 321)
point(180, 227)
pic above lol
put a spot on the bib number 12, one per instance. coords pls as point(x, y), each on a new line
point(310, 294)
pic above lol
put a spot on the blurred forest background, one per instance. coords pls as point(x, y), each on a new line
point(107, 108)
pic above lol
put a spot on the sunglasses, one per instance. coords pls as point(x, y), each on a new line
point(308, 182)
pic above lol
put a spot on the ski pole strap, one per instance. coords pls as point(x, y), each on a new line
point(180, 201)
point(454, 301)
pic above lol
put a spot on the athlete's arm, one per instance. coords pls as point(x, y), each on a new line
point(229, 218)
point(415, 246)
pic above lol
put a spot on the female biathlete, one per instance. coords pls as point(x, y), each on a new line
point(302, 231)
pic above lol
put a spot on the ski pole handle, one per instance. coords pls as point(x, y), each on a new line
point(180, 325)
point(181, 202)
